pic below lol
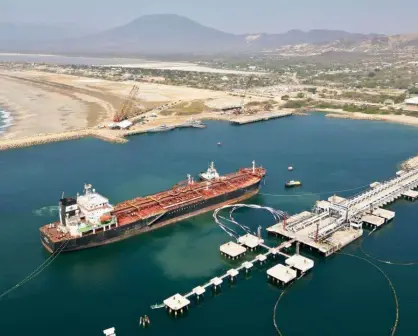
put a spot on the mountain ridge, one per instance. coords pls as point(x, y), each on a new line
point(171, 34)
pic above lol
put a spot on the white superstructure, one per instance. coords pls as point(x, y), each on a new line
point(93, 205)
point(88, 212)
point(211, 173)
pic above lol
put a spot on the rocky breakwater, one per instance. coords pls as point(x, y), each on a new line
point(39, 139)
point(411, 163)
point(355, 116)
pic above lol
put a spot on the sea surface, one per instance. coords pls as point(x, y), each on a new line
point(84, 292)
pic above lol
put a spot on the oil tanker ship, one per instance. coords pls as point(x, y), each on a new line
point(89, 220)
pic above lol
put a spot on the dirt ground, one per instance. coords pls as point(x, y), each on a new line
point(43, 102)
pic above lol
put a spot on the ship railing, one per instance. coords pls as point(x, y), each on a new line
point(183, 202)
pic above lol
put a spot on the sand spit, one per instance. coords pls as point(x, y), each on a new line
point(399, 119)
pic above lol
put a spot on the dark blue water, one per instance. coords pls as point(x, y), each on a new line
point(85, 292)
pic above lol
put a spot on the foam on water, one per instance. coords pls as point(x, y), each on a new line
point(6, 120)
point(46, 211)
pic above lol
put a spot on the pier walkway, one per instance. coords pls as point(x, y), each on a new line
point(335, 223)
point(245, 265)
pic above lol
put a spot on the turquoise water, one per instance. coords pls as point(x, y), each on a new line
point(85, 292)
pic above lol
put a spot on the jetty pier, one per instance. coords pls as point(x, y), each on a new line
point(279, 274)
point(331, 225)
point(334, 223)
point(248, 119)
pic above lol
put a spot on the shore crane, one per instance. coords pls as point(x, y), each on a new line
point(128, 105)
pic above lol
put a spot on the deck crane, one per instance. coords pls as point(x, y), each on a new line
point(241, 110)
point(127, 107)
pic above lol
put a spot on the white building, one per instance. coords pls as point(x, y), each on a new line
point(412, 101)
point(125, 124)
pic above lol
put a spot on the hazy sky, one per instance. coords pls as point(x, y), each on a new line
point(237, 16)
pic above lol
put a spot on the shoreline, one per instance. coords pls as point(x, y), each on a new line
point(391, 118)
point(120, 136)
point(7, 120)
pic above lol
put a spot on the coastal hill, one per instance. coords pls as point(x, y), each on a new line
point(18, 36)
point(174, 34)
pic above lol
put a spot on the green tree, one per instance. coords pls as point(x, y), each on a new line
point(300, 95)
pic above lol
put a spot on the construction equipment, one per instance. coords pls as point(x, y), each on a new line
point(128, 105)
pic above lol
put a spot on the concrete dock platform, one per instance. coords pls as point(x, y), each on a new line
point(199, 290)
point(333, 243)
point(281, 274)
point(373, 221)
point(216, 282)
point(250, 241)
point(386, 214)
point(261, 258)
point(176, 303)
point(300, 263)
point(247, 265)
point(232, 273)
point(232, 250)
point(410, 195)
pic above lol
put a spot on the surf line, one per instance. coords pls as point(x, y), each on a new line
point(6, 118)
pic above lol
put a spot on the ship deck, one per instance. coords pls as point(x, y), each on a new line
point(182, 194)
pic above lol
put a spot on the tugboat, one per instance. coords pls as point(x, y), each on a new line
point(292, 184)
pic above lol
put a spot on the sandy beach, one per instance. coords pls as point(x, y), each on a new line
point(398, 119)
point(41, 102)
point(37, 107)
point(52, 105)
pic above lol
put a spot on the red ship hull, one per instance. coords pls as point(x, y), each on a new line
point(155, 211)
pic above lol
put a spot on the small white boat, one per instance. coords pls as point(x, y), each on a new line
point(292, 184)
point(290, 168)
point(219, 143)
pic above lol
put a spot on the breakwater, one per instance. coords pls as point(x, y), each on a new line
point(247, 119)
point(45, 138)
